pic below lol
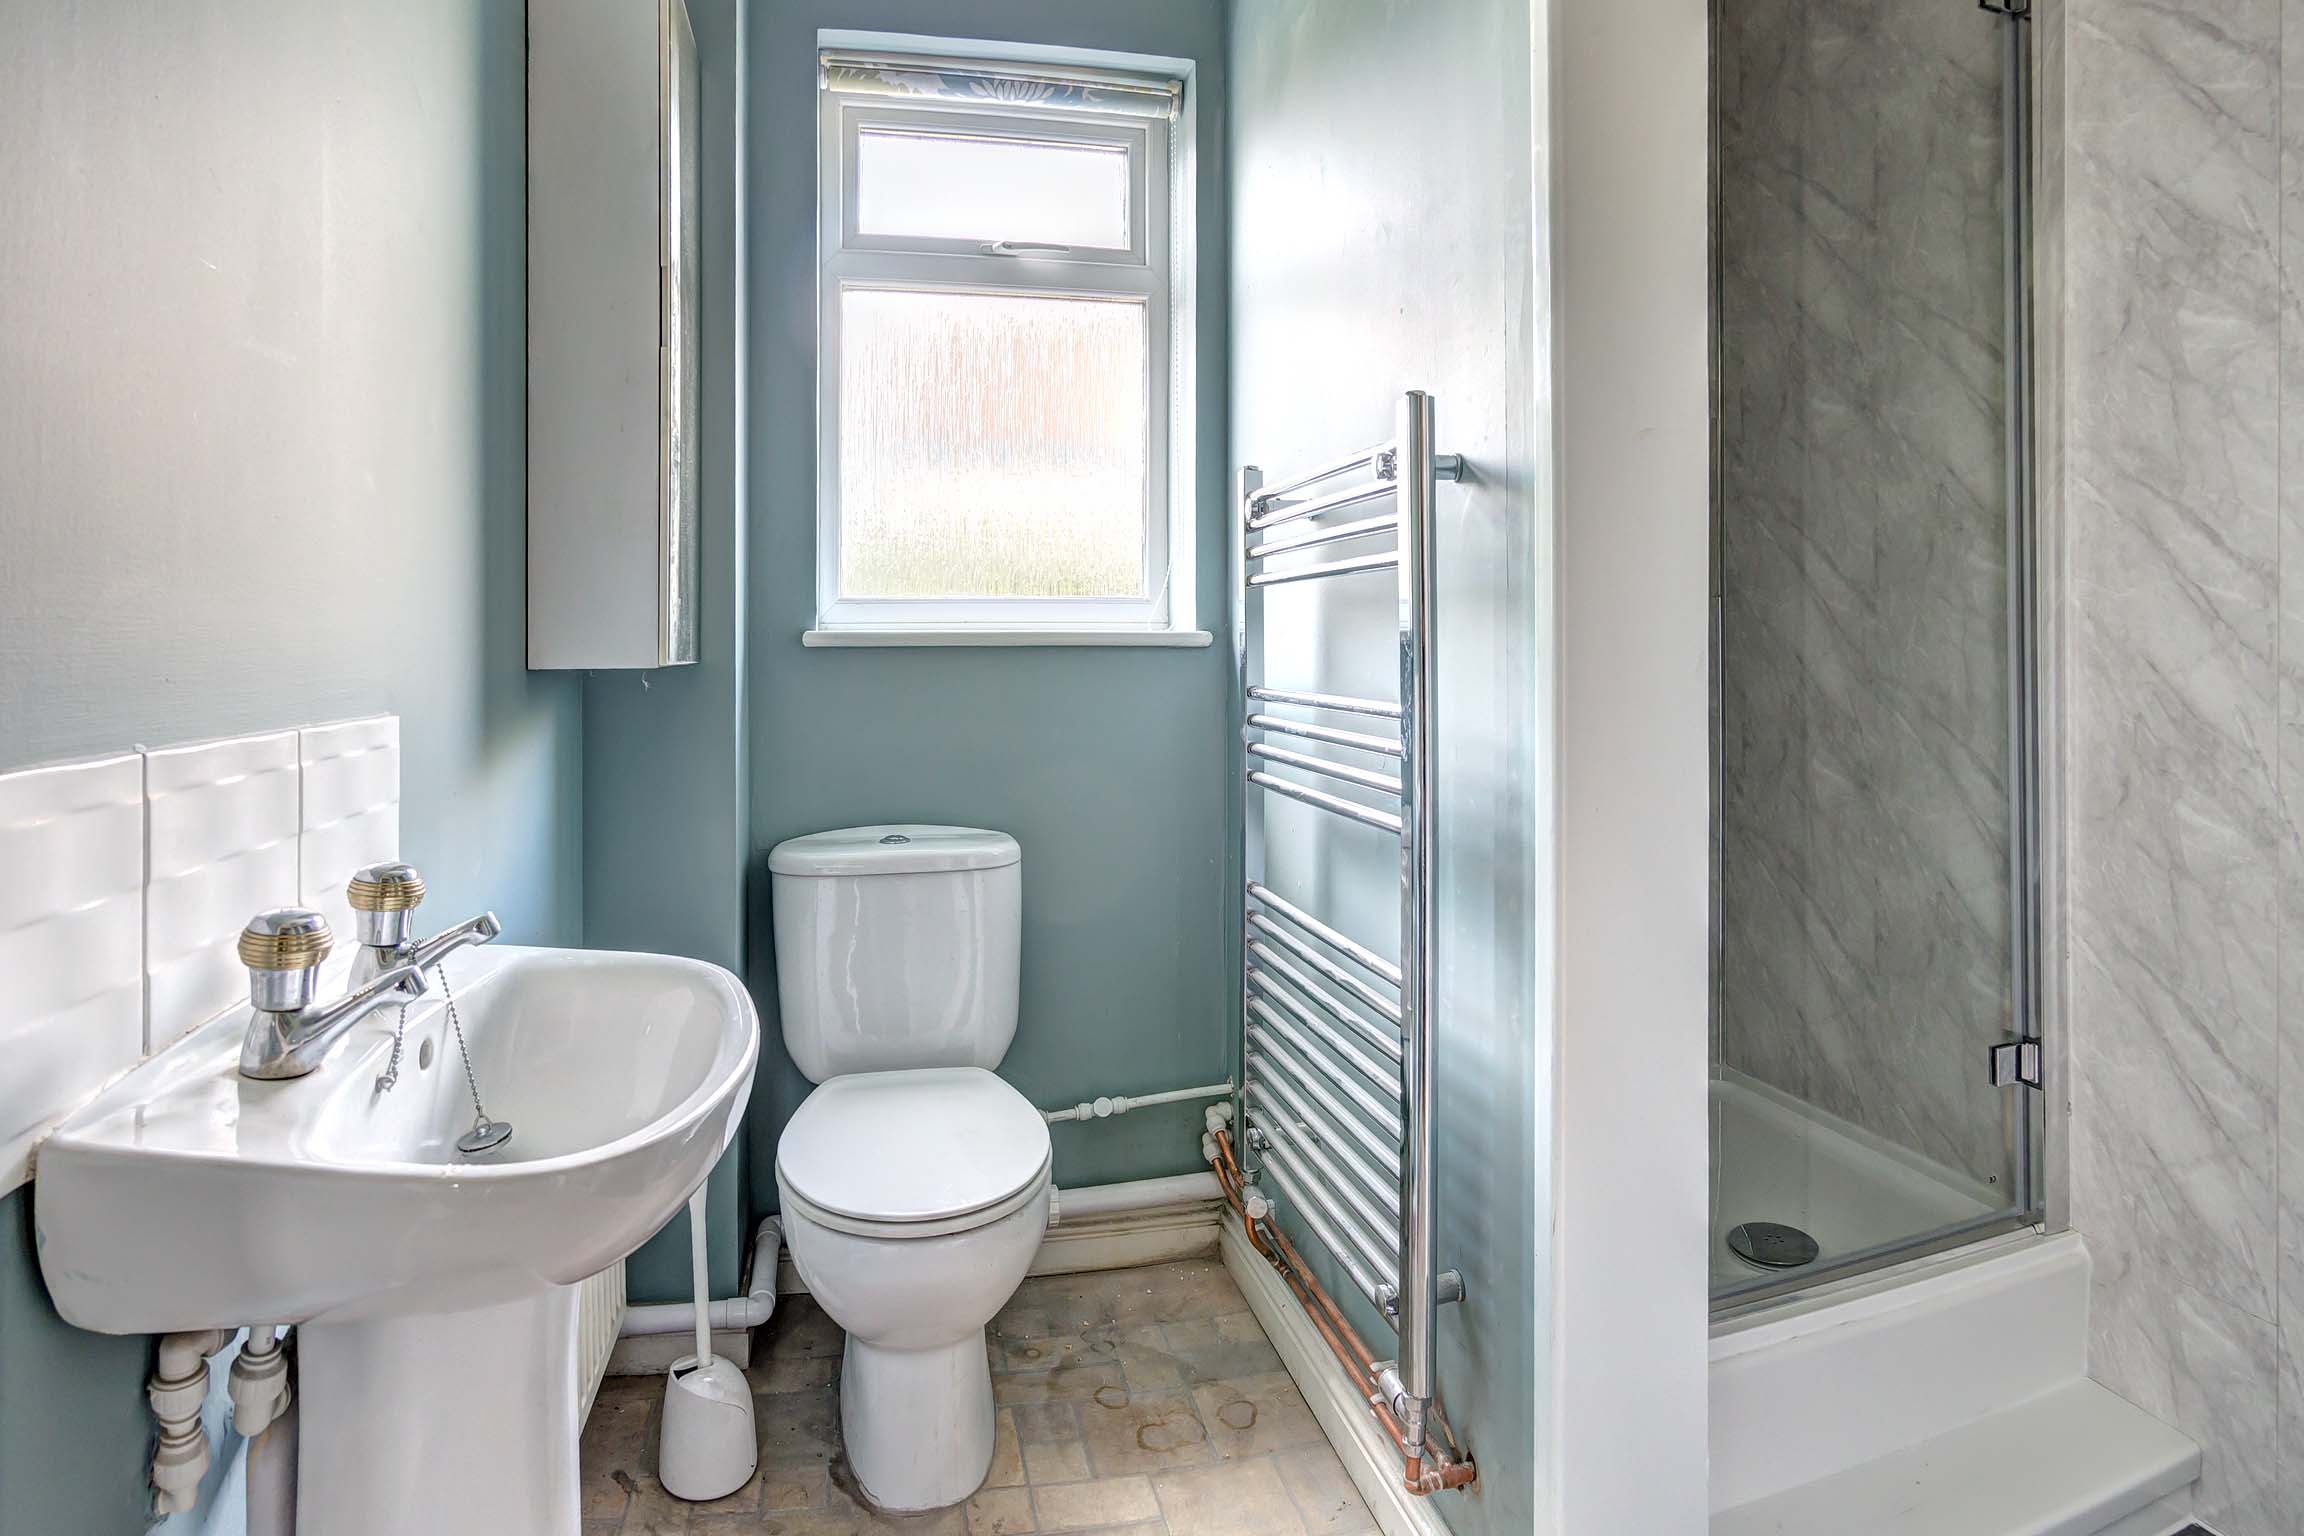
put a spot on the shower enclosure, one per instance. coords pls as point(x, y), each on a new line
point(1874, 977)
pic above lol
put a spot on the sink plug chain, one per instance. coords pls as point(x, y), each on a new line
point(485, 1133)
point(386, 1079)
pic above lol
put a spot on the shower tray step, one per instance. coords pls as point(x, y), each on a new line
point(2075, 1461)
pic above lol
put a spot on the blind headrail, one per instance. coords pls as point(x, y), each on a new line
point(1054, 86)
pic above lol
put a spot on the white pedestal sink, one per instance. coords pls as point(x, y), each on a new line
point(434, 1294)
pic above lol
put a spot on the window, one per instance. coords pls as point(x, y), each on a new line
point(999, 344)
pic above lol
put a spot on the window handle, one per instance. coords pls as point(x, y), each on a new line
point(1024, 248)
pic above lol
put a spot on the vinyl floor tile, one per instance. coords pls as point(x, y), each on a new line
point(1140, 1400)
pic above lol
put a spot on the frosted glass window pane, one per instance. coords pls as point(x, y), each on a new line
point(991, 445)
point(953, 187)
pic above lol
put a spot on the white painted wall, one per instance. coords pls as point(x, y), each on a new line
point(1622, 167)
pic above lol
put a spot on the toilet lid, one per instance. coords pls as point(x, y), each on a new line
point(923, 1145)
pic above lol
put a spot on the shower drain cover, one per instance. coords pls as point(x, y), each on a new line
point(1771, 1245)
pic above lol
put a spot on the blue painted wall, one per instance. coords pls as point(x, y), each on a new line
point(73, 1426)
point(1108, 765)
point(275, 263)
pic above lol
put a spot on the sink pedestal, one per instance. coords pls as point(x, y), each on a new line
point(462, 1421)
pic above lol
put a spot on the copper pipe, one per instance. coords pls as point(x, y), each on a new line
point(1355, 1359)
point(1228, 1175)
point(1326, 1304)
point(1447, 1471)
point(1295, 1262)
point(1366, 1361)
point(1341, 1341)
point(1415, 1479)
point(1448, 1468)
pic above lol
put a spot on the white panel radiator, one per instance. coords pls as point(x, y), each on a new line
point(599, 1317)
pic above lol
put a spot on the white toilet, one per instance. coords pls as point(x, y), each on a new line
point(914, 1183)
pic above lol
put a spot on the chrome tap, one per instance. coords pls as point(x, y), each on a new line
point(288, 1032)
point(384, 899)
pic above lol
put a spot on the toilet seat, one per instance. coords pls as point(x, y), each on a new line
point(918, 1153)
point(899, 1230)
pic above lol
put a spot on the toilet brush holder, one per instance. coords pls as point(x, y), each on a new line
point(706, 1449)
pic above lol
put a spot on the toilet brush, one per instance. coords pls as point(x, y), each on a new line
point(706, 1449)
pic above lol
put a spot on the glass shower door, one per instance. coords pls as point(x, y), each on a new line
point(1872, 657)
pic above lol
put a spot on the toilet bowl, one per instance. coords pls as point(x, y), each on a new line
point(914, 1183)
point(913, 1203)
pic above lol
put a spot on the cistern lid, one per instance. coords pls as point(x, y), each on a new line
point(904, 848)
point(921, 1145)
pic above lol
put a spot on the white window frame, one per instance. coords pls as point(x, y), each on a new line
point(1153, 271)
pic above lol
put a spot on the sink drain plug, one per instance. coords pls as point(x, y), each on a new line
point(485, 1135)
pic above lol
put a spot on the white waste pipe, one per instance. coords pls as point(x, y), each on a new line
point(178, 1387)
point(1141, 1195)
point(185, 1355)
point(747, 1311)
point(260, 1382)
point(1120, 1104)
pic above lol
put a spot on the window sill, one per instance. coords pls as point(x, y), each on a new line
point(1154, 638)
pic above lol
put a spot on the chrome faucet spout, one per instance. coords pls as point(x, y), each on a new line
point(288, 1032)
point(431, 951)
point(384, 899)
point(292, 1043)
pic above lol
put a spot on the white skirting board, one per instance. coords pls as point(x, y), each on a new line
point(1334, 1398)
point(1126, 1239)
point(1120, 1241)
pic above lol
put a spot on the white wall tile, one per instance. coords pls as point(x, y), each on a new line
point(351, 817)
point(224, 818)
point(71, 942)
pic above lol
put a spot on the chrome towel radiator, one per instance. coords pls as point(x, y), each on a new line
point(1338, 1042)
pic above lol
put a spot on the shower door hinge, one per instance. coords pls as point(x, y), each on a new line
point(2016, 1062)
point(2020, 9)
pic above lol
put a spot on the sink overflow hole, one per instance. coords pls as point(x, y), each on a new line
point(424, 1056)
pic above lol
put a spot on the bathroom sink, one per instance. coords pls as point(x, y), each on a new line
point(433, 1292)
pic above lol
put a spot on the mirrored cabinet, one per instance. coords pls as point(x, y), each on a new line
point(612, 343)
